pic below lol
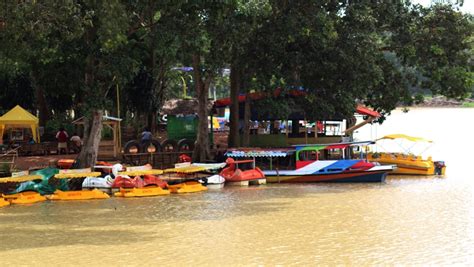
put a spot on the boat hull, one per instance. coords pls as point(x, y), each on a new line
point(187, 187)
point(347, 177)
point(142, 192)
point(28, 197)
point(78, 195)
point(407, 165)
point(3, 202)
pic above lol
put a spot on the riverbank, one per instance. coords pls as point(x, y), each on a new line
point(441, 101)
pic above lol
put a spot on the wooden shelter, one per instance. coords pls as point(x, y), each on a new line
point(108, 149)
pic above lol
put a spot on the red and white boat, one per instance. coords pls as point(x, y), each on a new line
point(233, 174)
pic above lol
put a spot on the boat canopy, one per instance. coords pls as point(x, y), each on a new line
point(406, 137)
point(316, 147)
point(196, 167)
point(258, 153)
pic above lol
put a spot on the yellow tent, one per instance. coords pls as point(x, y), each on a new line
point(18, 117)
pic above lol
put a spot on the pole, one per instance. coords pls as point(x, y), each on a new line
point(184, 87)
point(212, 129)
point(119, 131)
point(305, 132)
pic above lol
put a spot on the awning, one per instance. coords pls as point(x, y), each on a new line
point(406, 137)
point(331, 145)
point(225, 102)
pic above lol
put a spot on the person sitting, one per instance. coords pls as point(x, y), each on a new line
point(31, 140)
point(76, 143)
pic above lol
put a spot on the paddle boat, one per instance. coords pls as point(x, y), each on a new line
point(213, 182)
point(206, 173)
point(190, 177)
point(103, 183)
point(187, 187)
point(149, 185)
point(3, 202)
point(232, 173)
point(152, 185)
point(77, 194)
point(335, 162)
point(148, 191)
point(25, 197)
point(407, 162)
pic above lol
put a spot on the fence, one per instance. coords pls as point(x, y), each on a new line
point(160, 160)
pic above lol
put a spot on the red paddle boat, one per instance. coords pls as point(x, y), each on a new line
point(233, 174)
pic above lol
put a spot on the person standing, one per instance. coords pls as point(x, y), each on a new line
point(62, 138)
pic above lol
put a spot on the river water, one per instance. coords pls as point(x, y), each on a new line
point(407, 220)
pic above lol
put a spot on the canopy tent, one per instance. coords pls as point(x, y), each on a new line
point(18, 117)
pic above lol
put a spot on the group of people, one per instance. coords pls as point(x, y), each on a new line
point(62, 137)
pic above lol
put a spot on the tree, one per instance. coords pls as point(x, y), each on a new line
point(154, 42)
point(36, 40)
point(106, 63)
point(202, 37)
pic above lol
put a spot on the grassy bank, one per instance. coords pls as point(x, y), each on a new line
point(468, 105)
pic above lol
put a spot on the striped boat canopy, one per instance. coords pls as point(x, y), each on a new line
point(331, 146)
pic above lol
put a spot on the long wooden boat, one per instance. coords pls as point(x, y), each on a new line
point(406, 162)
point(321, 163)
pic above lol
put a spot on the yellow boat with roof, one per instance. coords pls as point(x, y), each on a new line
point(406, 161)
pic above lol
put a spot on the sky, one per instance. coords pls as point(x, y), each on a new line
point(468, 6)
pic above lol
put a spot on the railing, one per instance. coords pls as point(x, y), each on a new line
point(7, 161)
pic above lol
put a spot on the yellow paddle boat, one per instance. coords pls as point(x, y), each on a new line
point(3, 202)
point(78, 195)
point(27, 197)
point(187, 187)
point(407, 162)
point(142, 192)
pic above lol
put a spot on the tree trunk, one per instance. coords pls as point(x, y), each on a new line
point(201, 150)
point(42, 105)
point(151, 121)
point(233, 139)
point(92, 135)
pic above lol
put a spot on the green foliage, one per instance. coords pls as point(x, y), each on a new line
point(382, 54)
point(468, 104)
point(15, 91)
point(53, 125)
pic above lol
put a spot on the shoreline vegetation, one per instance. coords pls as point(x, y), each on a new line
point(441, 101)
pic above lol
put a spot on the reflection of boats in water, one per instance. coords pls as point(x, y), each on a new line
point(407, 162)
point(319, 163)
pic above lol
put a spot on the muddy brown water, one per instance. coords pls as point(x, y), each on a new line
point(407, 220)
